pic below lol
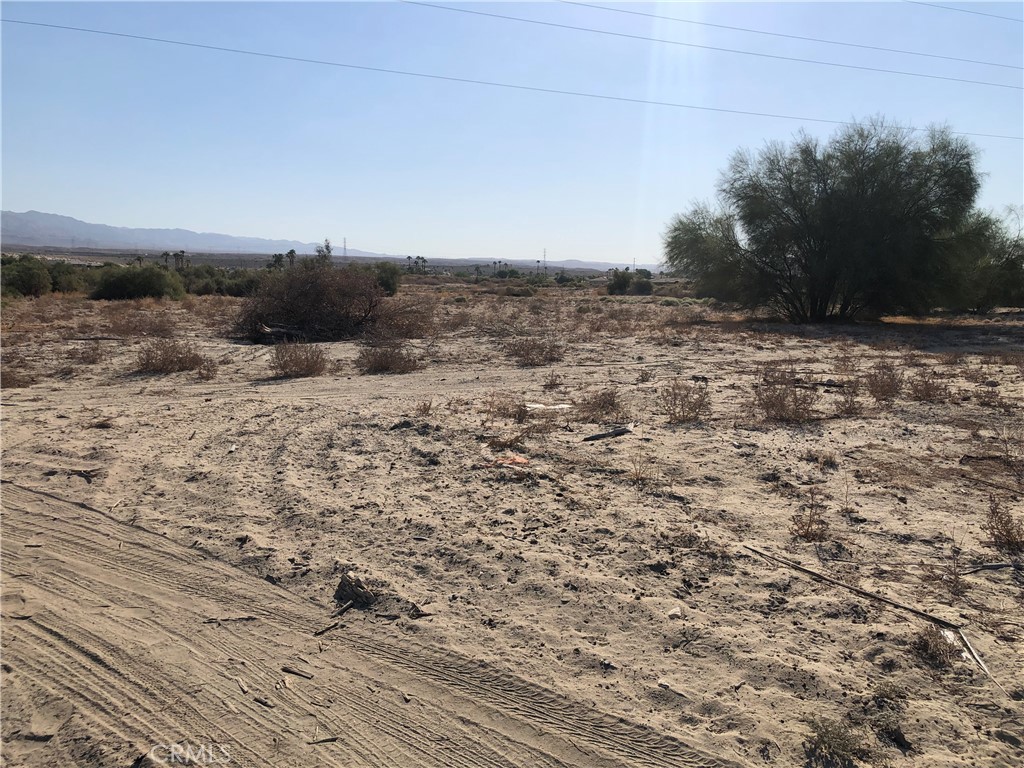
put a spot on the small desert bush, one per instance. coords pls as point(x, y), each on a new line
point(1006, 531)
point(834, 743)
point(89, 354)
point(14, 371)
point(809, 522)
point(553, 380)
point(931, 645)
point(505, 405)
point(686, 401)
point(294, 361)
point(532, 351)
point(389, 358)
point(128, 321)
point(316, 302)
point(927, 387)
point(849, 405)
point(884, 381)
point(119, 283)
point(604, 405)
point(169, 356)
point(780, 396)
point(406, 317)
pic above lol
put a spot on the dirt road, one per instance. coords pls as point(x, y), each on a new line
point(118, 644)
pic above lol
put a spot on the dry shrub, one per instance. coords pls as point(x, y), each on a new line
point(645, 375)
point(849, 405)
point(809, 522)
point(933, 648)
point(604, 405)
point(169, 356)
point(834, 743)
point(89, 354)
point(779, 395)
point(826, 460)
point(15, 372)
point(130, 320)
point(1006, 531)
point(295, 361)
point(951, 358)
point(927, 387)
point(686, 401)
point(884, 381)
point(517, 440)
point(533, 351)
point(389, 358)
point(950, 572)
point(423, 408)
point(313, 301)
point(404, 317)
point(554, 380)
point(505, 405)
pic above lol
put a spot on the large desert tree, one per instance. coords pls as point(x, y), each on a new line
point(871, 221)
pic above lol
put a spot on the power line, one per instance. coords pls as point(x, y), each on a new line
point(490, 83)
point(709, 47)
point(964, 10)
point(792, 37)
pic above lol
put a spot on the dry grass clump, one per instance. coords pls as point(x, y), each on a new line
point(532, 351)
point(294, 361)
point(389, 358)
point(554, 380)
point(834, 743)
point(132, 319)
point(780, 395)
point(1006, 531)
point(89, 354)
point(809, 522)
point(927, 387)
point(931, 645)
point(950, 572)
point(884, 381)
point(849, 405)
point(15, 372)
point(171, 356)
point(604, 405)
point(517, 440)
point(686, 401)
point(505, 405)
point(826, 460)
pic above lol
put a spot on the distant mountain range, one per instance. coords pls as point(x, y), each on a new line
point(34, 229)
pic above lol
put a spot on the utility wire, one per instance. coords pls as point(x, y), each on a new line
point(792, 37)
point(491, 83)
point(964, 10)
point(708, 47)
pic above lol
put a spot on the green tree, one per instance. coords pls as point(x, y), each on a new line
point(869, 222)
point(389, 276)
point(28, 276)
point(323, 252)
point(618, 283)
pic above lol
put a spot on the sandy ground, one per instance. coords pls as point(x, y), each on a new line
point(616, 576)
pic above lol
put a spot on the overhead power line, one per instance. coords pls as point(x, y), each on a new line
point(793, 37)
point(451, 79)
point(965, 10)
point(709, 47)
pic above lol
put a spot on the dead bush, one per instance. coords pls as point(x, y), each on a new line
point(884, 381)
point(533, 351)
point(404, 317)
point(1007, 532)
point(809, 522)
point(849, 405)
point(554, 380)
point(169, 356)
point(389, 358)
point(315, 302)
point(932, 647)
point(834, 743)
point(505, 405)
point(130, 320)
point(604, 405)
point(15, 372)
point(294, 361)
point(89, 354)
point(927, 387)
point(686, 401)
point(780, 395)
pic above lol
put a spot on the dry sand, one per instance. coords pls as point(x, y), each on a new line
point(595, 580)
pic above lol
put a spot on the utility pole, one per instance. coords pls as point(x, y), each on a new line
point(344, 247)
point(545, 261)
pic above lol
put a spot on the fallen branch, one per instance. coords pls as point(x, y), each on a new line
point(857, 590)
point(327, 629)
point(297, 672)
point(992, 567)
point(617, 432)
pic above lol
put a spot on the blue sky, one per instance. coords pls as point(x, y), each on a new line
point(142, 134)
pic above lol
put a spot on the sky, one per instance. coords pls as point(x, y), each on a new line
point(135, 133)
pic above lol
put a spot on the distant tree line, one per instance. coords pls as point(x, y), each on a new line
point(874, 221)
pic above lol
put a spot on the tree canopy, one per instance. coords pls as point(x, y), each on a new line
point(877, 219)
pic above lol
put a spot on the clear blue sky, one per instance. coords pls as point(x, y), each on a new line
point(142, 134)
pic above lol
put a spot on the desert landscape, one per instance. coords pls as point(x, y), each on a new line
point(788, 545)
